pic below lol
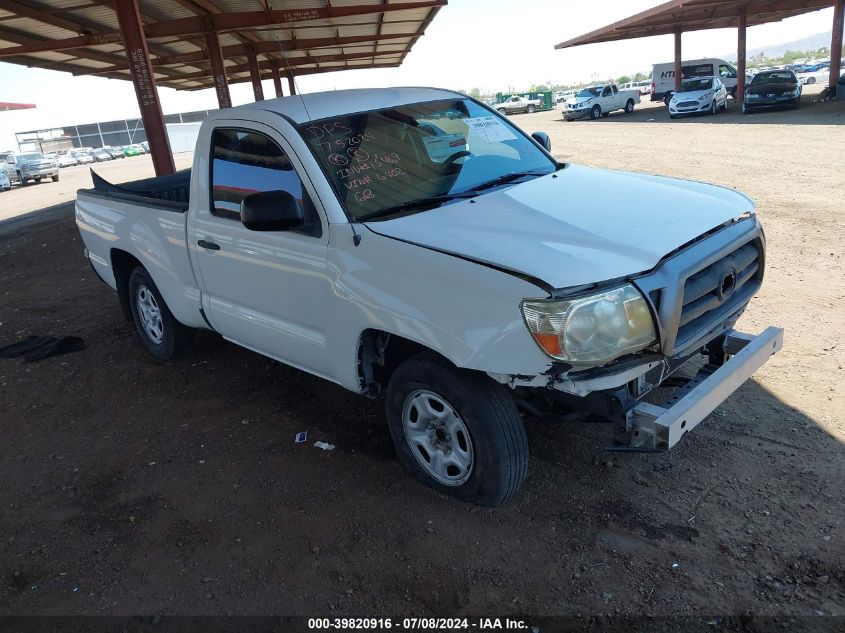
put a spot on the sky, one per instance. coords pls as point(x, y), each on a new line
point(493, 45)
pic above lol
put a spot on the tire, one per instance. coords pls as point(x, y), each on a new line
point(595, 112)
point(481, 428)
point(811, 81)
point(530, 109)
point(629, 106)
point(713, 107)
point(733, 93)
point(55, 178)
point(146, 301)
point(672, 116)
point(667, 98)
point(21, 181)
point(502, 112)
point(38, 179)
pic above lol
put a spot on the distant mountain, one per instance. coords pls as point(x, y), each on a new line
point(809, 43)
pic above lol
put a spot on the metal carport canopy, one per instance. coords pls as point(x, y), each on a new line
point(678, 16)
point(196, 44)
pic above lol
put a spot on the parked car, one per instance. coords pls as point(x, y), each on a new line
point(114, 152)
point(699, 95)
point(22, 168)
point(82, 158)
point(812, 74)
point(5, 183)
point(598, 101)
point(146, 146)
point(67, 160)
point(663, 76)
point(517, 104)
point(101, 155)
point(130, 150)
point(643, 86)
point(454, 283)
point(772, 89)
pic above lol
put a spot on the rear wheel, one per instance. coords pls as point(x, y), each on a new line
point(595, 113)
point(21, 180)
point(456, 431)
point(55, 178)
point(160, 332)
point(629, 106)
point(811, 81)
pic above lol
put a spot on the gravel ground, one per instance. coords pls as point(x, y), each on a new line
point(131, 486)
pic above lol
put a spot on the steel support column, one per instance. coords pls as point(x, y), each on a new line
point(218, 70)
point(277, 82)
point(255, 75)
point(740, 61)
point(677, 60)
point(135, 44)
point(291, 84)
point(836, 44)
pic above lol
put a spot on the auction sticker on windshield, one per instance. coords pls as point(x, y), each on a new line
point(441, 147)
point(490, 128)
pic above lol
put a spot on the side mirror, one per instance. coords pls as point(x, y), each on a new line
point(543, 139)
point(271, 211)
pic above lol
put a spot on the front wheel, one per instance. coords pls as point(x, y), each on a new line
point(713, 107)
point(55, 178)
point(502, 112)
point(666, 99)
point(629, 106)
point(595, 113)
point(160, 332)
point(530, 109)
point(456, 431)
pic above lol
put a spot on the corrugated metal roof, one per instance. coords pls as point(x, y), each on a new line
point(696, 15)
point(81, 38)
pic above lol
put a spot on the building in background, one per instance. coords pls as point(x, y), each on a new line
point(102, 134)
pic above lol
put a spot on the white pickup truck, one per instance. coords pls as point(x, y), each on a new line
point(412, 243)
point(598, 101)
point(517, 105)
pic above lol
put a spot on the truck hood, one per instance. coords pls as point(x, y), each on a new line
point(573, 100)
point(578, 226)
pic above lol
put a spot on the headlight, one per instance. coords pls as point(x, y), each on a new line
point(704, 98)
point(591, 330)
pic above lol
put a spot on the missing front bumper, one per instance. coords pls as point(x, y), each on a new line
point(660, 427)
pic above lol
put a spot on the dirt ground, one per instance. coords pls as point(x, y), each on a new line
point(129, 486)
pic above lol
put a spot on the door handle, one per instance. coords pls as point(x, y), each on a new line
point(209, 245)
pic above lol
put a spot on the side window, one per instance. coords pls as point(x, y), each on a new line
point(606, 91)
point(615, 90)
point(245, 162)
point(727, 71)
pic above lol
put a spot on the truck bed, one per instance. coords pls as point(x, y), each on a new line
point(169, 192)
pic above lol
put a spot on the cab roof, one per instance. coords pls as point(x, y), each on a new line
point(321, 105)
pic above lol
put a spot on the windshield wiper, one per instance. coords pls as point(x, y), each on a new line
point(504, 179)
point(417, 203)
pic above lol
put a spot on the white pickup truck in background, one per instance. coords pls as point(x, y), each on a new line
point(518, 104)
point(413, 244)
point(598, 101)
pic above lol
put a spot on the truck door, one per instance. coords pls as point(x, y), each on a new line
point(265, 290)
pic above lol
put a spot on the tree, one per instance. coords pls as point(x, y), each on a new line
point(475, 92)
point(624, 79)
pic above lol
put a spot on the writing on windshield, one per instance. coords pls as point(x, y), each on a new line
point(382, 159)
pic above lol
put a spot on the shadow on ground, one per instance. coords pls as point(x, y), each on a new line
point(132, 486)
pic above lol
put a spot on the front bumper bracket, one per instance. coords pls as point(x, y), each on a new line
point(654, 427)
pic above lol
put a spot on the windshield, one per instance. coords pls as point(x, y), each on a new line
point(590, 92)
point(773, 78)
point(33, 156)
point(382, 159)
point(692, 85)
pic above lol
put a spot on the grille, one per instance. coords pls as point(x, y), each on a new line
point(719, 288)
point(687, 104)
